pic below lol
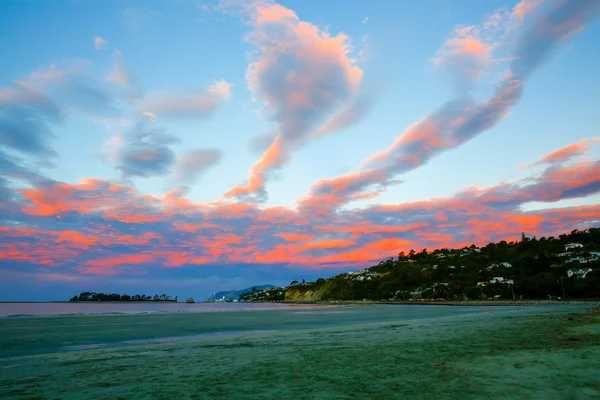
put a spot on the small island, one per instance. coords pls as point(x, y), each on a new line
point(93, 296)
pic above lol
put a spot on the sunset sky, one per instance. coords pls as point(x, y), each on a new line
point(186, 147)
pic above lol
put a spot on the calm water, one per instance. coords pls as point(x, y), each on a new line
point(34, 328)
point(50, 309)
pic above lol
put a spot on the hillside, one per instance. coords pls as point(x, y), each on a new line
point(564, 266)
point(234, 294)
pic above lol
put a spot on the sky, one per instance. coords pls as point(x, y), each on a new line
point(187, 147)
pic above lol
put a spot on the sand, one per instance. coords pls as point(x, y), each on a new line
point(374, 352)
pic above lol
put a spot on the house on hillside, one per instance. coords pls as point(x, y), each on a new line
point(500, 279)
point(583, 260)
point(573, 246)
point(506, 264)
point(578, 272)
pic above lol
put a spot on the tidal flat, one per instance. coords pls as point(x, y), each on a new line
point(348, 352)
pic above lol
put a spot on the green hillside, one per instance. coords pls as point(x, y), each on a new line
point(564, 266)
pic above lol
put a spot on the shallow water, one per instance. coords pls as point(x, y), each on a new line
point(362, 352)
point(26, 310)
point(67, 332)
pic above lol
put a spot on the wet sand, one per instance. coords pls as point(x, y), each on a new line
point(375, 352)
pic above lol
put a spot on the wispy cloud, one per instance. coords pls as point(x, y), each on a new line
point(120, 74)
point(100, 43)
point(195, 162)
point(26, 118)
point(144, 151)
point(564, 154)
point(460, 120)
point(303, 75)
point(185, 104)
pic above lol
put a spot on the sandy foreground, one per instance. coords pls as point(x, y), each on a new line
point(359, 352)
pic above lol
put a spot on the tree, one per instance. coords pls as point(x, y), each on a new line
point(190, 300)
point(293, 283)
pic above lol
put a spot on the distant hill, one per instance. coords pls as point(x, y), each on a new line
point(563, 266)
point(234, 294)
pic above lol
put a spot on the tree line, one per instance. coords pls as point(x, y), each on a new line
point(94, 296)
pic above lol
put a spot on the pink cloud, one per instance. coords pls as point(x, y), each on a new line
point(465, 56)
point(303, 76)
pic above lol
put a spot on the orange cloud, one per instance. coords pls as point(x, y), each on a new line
point(271, 158)
point(329, 244)
point(222, 234)
point(567, 152)
point(294, 237)
point(124, 259)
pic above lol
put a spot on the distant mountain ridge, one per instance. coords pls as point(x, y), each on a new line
point(234, 294)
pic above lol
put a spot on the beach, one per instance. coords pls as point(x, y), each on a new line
point(370, 351)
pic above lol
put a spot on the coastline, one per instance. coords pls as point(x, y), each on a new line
point(468, 303)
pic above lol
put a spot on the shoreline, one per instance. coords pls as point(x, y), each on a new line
point(460, 303)
point(455, 303)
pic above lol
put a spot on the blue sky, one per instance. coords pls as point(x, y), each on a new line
point(170, 101)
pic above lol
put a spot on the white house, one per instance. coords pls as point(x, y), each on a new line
point(573, 246)
point(506, 264)
point(578, 272)
point(583, 260)
point(500, 279)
